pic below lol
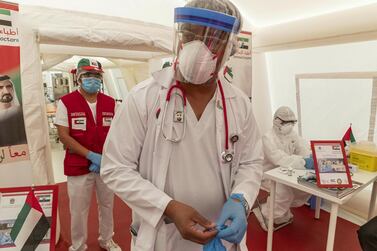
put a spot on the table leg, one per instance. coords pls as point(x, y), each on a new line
point(372, 204)
point(317, 207)
point(271, 216)
point(332, 227)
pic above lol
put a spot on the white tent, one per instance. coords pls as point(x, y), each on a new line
point(141, 31)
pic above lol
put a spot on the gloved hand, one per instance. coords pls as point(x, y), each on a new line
point(94, 168)
point(95, 158)
point(214, 245)
point(234, 211)
point(309, 162)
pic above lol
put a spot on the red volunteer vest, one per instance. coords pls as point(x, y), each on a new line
point(83, 129)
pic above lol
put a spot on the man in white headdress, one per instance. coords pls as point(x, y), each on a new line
point(12, 127)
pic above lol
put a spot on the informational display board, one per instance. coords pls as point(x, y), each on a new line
point(12, 201)
point(331, 164)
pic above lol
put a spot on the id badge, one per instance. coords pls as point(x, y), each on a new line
point(79, 123)
point(106, 121)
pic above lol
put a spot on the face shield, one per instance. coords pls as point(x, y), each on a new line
point(203, 42)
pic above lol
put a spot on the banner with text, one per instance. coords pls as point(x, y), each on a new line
point(13, 142)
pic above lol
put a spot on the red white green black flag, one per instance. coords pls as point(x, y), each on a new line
point(348, 136)
point(30, 226)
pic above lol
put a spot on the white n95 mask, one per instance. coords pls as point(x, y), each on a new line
point(196, 62)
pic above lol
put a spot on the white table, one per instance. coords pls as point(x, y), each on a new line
point(276, 176)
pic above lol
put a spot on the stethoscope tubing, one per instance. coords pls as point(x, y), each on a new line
point(184, 100)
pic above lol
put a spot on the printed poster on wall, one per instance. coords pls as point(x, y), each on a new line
point(13, 142)
point(27, 224)
point(244, 45)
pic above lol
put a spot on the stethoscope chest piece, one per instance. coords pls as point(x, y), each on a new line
point(227, 156)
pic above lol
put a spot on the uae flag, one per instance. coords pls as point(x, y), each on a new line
point(30, 226)
point(348, 136)
point(5, 17)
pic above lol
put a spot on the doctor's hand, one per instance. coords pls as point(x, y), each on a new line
point(186, 220)
point(95, 158)
point(232, 211)
point(94, 168)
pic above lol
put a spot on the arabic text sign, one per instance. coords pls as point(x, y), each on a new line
point(14, 153)
point(8, 24)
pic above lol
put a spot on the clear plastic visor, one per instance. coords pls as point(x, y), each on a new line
point(203, 42)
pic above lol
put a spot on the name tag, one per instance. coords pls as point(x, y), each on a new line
point(106, 121)
point(79, 123)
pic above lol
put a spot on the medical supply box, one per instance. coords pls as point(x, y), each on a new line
point(364, 155)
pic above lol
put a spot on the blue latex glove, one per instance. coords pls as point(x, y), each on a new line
point(94, 168)
point(214, 245)
point(95, 158)
point(234, 211)
point(309, 162)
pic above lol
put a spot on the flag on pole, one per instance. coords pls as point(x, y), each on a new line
point(348, 136)
point(30, 226)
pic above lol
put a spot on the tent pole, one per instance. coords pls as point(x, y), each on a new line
point(298, 101)
point(373, 111)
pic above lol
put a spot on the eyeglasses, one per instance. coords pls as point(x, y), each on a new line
point(293, 122)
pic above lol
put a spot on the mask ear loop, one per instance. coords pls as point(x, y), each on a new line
point(176, 62)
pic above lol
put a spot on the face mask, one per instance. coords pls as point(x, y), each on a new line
point(286, 129)
point(196, 62)
point(91, 85)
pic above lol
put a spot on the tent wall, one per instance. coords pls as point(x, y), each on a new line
point(34, 109)
point(358, 24)
point(261, 98)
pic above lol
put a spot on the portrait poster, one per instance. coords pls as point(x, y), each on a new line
point(331, 164)
point(13, 202)
point(13, 141)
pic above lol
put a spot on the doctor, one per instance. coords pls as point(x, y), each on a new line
point(184, 151)
point(285, 148)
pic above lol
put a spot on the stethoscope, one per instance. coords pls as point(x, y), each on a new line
point(226, 155)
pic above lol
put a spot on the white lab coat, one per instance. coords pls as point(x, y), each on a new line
point(136, 156)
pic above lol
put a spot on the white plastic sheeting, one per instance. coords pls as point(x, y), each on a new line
point(49, 60)
point(90, 30)
point(358, 24)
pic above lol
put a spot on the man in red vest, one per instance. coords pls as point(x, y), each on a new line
point(83, 120)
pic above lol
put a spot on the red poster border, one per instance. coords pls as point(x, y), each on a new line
point(345, 162)
point(54, 213)
point(8, 5)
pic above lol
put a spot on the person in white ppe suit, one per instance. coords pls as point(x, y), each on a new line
point(283, 147)
point(184, 151)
